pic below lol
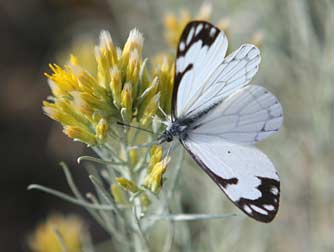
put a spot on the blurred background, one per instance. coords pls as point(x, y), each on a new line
point(297, 43)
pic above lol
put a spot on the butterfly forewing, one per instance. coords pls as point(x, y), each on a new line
point(203, 76)
point(201, 49)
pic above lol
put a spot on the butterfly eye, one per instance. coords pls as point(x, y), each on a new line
point(169, 138)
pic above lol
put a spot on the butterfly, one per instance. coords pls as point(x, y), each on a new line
point(218, 117)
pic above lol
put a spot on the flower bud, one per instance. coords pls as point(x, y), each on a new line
point(118, 195)
point(80, 134)
point(116, 85)
point(126, 102)
point(135, 41)
point(150, 110)
point(102, 129)
point(127, 185)
point(155, 156)
point(133, 154)
point(154, 180)
point(132, 70)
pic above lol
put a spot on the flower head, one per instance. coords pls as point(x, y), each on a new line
point(69, 228)
point(122, 89)
point(164, 68)
point(154, 180)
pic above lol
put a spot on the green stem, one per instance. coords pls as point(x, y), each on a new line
point(78, 195)
point(68, 198)
point(98, 161)
point(144, 241)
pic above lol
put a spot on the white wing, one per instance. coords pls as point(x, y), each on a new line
point(244, 173)
point(210, 97)
point(247, 116)
point(203, 76)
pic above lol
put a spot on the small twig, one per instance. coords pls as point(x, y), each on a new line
point(86, 241)
point(140, 231)
point(68, 198)
point(189, 217)
point(98, 160)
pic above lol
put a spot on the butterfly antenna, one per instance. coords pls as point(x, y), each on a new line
point(135, 127)
point(142, 145)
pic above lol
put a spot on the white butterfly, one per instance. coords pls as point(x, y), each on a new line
point(218, 118)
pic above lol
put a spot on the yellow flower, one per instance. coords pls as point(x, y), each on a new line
point(116, 85)
point(133, 155)
point(126, 102)
point(134, 43)
point(69, 228)
point(150, 110)
point(106, 56)
point(78, 102)
point(80, 134)
point(127, 185)
point(164, 71)
point(174, 25)
point(132, 73)
point(155, 156)
point(153, 180)
point(122, 89)
point(146, 97)
point(88, 105)
point(102, 129)
point(118, 195)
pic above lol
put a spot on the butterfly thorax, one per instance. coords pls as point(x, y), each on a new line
point(174, 128)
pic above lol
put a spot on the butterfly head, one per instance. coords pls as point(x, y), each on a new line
point(174, 128)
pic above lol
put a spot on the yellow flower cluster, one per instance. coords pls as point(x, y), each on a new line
point(156, 169)
point(164, 68)
point(123, 90)
point(58, 233)
point(153, 181)
point(174, 24)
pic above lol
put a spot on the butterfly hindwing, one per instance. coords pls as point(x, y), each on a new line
point(243, 173)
